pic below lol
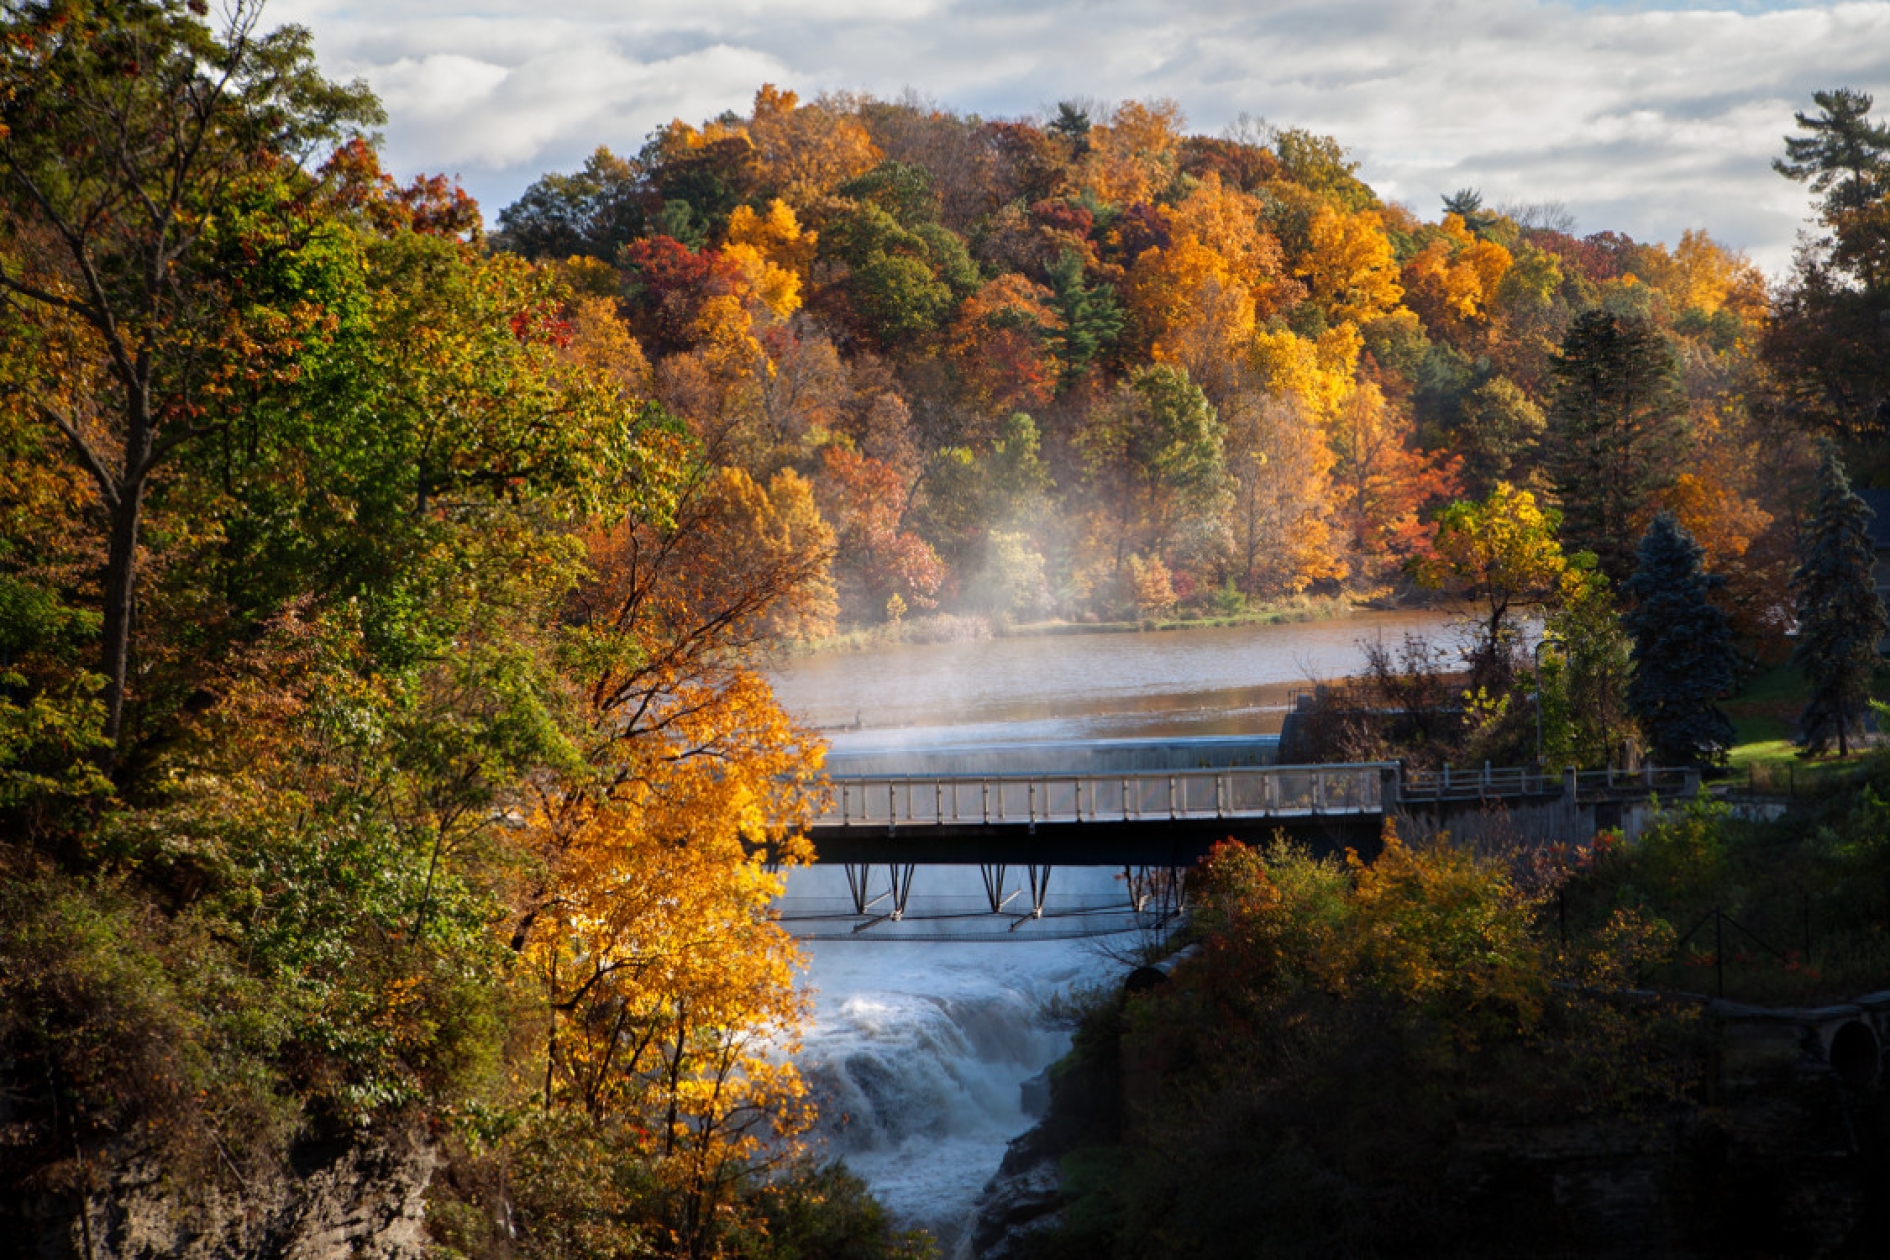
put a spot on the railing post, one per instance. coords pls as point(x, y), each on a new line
point(938, 801)
point(1171, 796)
point(1220, 796)
point(1125, 801)
point(984, 786)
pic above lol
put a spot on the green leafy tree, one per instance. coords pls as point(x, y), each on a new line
point(145, 162)
point(1582, 684)
point(1683, 650)
point(1152, 450)
point(1500, 433)
point(593, 212)
point(1616, 431)
point(1500, 554)
point(1841, 619)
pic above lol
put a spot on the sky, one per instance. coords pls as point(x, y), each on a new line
point(1641, 117)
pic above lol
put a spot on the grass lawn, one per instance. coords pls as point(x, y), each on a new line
point(1764, 715)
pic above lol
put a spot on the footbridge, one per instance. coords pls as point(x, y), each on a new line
point(1017, 826)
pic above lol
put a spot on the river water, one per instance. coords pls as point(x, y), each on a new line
point(919, 1047)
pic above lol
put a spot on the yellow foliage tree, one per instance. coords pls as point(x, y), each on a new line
point(1454, 280)
point(1279, 514)
point(807, 151)
point(771, 254)
point(1349, 269)
point(1132, 158)
point(665, 988)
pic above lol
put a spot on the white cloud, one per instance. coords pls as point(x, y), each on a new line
point(1643, 118)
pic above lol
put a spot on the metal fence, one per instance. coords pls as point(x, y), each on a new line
point(1452, 783)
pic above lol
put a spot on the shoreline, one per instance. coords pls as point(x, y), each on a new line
point(973, 628)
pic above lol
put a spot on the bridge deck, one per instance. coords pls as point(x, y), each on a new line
point(888, 803)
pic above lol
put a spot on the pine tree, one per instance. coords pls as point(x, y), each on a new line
point(1683, 651)
point(1616, 431)
point(1846, 156)
point(1840, 617)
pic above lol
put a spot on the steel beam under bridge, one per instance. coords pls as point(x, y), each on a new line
point(1164, 817)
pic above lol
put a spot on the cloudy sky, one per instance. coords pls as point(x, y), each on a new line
point(1641, 116)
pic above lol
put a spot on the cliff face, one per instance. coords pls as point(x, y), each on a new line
point(329, 1201)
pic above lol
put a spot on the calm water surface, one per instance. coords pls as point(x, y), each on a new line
point(1235, 681)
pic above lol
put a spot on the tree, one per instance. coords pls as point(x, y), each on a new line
point(1383, 485)
point(1827, 340)
point(1846, 157)
point(1582, 684)
point(1092, 318)
point(1500, 553)
point(1683, 651)
point(1841, 619)
point(1501, 430)
point(145, 161)
point(1616, 430)
point(1280, 537)
point(1152, 448)
point(593, 212)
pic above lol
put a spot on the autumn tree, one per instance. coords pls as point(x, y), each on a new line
point(143, 157)
point(1500, 553)
point(1280, 504)
point(1382, 483)
point(877, 557)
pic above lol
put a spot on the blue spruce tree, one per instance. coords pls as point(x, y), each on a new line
point(1683, 650)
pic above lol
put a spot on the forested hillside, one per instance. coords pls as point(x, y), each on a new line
point(1097, 366)
point(382, 753)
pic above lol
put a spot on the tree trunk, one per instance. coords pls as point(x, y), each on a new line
point(121, 576)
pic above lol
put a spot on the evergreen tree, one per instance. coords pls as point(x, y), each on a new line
point(1683, 651)
point(1846, 157)
point(1092, 318)
point(1615, 433)
point(1840, 617)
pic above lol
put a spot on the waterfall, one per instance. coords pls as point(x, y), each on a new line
point(919, 1047)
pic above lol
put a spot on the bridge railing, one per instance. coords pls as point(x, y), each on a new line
point(994, 800)
point(1452, 783)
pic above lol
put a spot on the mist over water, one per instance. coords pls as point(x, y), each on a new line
point(925, 1029)
point(1232, 681)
